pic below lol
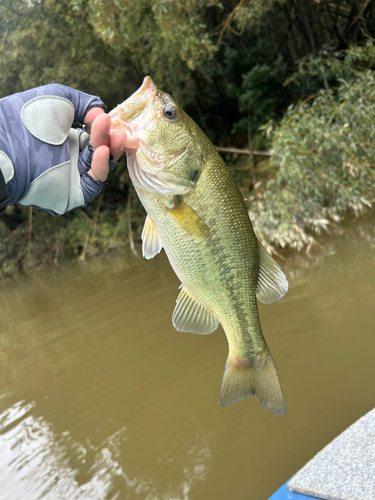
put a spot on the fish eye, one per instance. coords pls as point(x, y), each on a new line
point(170, 112)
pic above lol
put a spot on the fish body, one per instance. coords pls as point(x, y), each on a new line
point(197, 214)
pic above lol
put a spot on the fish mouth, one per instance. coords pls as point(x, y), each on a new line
point(127, 116)
point(145, 91)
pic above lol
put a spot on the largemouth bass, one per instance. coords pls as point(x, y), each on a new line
point(197, 214)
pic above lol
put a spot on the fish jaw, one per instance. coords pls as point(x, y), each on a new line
point(132, 114)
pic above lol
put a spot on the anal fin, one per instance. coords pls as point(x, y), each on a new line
point(151, 241)
point(190, 316)
point(272, 282)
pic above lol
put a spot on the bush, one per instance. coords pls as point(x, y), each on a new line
point(324, 153)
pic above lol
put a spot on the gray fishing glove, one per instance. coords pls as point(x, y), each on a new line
point(44, 161)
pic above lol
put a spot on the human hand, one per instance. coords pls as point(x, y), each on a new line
point(105, 143)
point(45, 162)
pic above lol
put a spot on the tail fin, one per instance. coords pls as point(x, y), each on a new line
point(257, 377)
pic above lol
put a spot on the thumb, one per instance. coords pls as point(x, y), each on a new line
point(100, 164)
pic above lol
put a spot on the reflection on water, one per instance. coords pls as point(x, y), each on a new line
point(38, 463)
point(100, 398)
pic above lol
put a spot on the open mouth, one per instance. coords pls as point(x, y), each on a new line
point(127, 116)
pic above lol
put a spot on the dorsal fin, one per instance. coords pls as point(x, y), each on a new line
point(190, 316)
point(151, 241)
point(272, 282)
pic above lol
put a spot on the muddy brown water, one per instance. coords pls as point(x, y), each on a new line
point(100, 398)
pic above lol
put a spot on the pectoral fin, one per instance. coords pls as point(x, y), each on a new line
point(190, 316)
point(188, 220)
point(272, 282)
point(151, 241)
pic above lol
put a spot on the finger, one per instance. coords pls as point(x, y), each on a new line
point(100, 163)
point(117, 143)
point(100, 131)
point(92, 114)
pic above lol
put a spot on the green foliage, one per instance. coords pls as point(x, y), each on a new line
point(330, 68)
point(324, 153)
point(166, 39)
point(260, 94)
point(48, 41)
point(227, 64)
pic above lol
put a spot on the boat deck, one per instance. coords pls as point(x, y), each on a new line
point(343, 470)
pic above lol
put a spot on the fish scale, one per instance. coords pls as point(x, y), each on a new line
point(205, 230)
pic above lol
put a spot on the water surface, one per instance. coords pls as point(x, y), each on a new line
point(100, 398)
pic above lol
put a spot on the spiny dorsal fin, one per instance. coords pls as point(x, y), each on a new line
point(272, 282)
point(190, 316)
point(188, 220)
point(151, 242)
